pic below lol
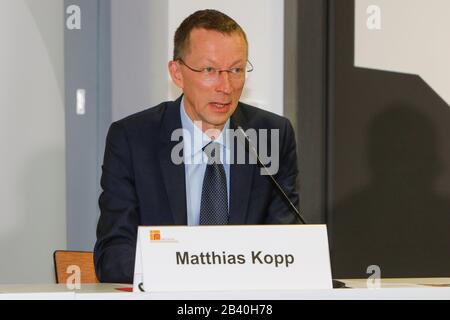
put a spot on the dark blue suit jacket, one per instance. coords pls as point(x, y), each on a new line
point(141, 185)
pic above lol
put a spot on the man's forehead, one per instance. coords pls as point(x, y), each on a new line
point(201, 33)
point(202, 37)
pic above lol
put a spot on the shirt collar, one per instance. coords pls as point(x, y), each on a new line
point(199, 138)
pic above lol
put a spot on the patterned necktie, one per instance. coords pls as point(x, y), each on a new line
point(214, 202)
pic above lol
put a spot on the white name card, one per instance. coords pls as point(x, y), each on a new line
point(211, 258)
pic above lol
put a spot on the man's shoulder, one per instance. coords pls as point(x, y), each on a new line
point(259, 118)
point(149, 121)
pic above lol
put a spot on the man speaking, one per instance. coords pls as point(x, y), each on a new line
point(216, 182)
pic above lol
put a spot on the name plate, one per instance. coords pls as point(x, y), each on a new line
point(211, 258)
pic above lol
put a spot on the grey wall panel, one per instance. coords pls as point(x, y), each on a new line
point(84, 132)
point(116, 57)
point(305, 98)
point(139, 55)
point(104, 118)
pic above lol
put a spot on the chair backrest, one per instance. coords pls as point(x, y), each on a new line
point(65, 260)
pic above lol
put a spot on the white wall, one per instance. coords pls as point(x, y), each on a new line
point(142, 44)
point(32, 139)
point(411, 37)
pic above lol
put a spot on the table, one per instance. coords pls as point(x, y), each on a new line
point(390, 289)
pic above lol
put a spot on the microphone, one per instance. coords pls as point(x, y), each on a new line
point(336, 283)
point(279, 188)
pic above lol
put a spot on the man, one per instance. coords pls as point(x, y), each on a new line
point(144, 183)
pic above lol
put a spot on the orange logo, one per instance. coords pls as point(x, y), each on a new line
point(155, 235)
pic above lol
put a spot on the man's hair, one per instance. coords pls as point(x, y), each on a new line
point(204, 19)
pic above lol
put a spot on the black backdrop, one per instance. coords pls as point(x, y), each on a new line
point(374, 150)
point(388, 164)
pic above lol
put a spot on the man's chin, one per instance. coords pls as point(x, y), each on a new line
point(217, 120)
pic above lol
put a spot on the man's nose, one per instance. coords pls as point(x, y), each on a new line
point(224, 82)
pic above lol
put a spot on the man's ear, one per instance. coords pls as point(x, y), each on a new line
point(175, 74)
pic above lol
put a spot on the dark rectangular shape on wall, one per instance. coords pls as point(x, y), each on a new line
point(305, 89)
point(388, 147)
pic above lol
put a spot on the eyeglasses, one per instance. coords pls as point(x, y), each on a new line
point(211, 74)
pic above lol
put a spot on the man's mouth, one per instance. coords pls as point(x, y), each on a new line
point(220, 107)
point(220, 104)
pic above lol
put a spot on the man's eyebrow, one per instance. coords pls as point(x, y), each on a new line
point(236, 62)
point(215, 62)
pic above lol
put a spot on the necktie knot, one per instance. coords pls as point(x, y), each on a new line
point(212, 151)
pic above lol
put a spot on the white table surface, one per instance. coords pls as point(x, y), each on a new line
point(390, 289)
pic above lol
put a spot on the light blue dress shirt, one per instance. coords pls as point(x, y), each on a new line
point(195, 162)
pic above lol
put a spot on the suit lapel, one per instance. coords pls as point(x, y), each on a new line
point(241, 177)
point(173, 174)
